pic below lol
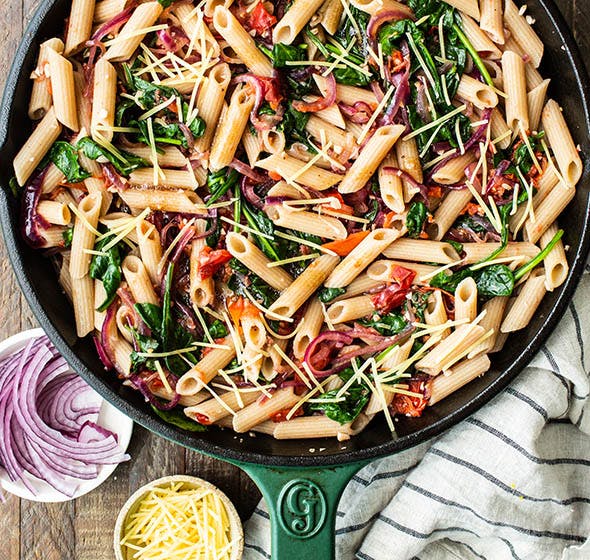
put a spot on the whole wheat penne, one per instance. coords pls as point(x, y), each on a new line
point(546, 213)
point(536, 101)
point(241, 42)
point(466, 300)
point(444, 385)
point(150, 249)
point(390, 184)
point(169, 178)
point(105, 10)
point(35, 148)
point(561, 141)
point(210, 103)
point(382, 271)
point(83, 300)
point(163, 199)
point(517, 111)
point(304, 286)
point(469, 7)
point(252, 257)
point(350, 309)
point(526, 303)
point(330, 14)
point(422, 251)
point(79, 25)
point(308, 427)
point(258, 412)
point(63, 92)
point(446, 214)
point(361, 257)
point(104, 99)
point(307, 222)
point(54, 212)
point(370, 157)
point(476, 252)
point(450, 348)
point(523, 33)
point(555, 263)
point(206, 369)
point(41, 99)
point(131, 35)
point(492, 19)
point(491, 321)
point(196, 29)
point(435, 313)
point(313, 320)
point(294, 170)
point(84, 234)
point(478, 93)
point(294, 20)
point(211, 410)
point(139, 281)
point(453, 171)
point(478, 38)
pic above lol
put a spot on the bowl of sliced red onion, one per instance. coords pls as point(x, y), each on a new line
point(58, 438)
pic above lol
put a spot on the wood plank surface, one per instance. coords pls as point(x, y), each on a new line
point(82, 530)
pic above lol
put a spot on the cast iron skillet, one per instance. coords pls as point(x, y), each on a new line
point(302, 487)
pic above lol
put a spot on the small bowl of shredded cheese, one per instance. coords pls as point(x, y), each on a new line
point(178, 517)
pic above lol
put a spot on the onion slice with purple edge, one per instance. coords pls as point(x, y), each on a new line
point(383, 16)
point(319, 104)
point(48, 417)
point(339, 339)
point(258, 84)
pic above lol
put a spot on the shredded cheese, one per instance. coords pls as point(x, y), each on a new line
point(176, 522)
point(292, 260)
point(375, 114)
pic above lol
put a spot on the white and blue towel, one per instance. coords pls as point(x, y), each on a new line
point(511, 482)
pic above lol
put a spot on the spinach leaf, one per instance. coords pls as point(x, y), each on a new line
point(456, 245)
point(107, 268)
point(68, 234)
point(281, 54)
point(416, 218)
point(145, 344)
point(326, 295)
point(243, 279)
point(388, 325)
point(260, 222)
point(433, 9)
point(124, 165)
point(178, 418)
point(293, 125)
point(345, 411)
point(165, 3)
point(217, 329)
point(220, 182)
point(495, 280)
point(65, 158)
point(151, 315)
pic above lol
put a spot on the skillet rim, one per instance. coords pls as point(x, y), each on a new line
point(158, 426)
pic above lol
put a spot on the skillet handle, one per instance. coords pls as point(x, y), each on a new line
point(302, 502)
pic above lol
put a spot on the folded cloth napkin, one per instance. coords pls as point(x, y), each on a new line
point(510, 482)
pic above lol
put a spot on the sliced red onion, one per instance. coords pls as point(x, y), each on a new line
point(43, 409)
point(423, 190)
point(108, 335)
point(31, 221)
point(323, 102)
point(342, 361)
point(143, 388)
point(383, 16)
point(188, 135)
point(261, 86)
point(498, 176)
point(112, 177)
point(245, 169)
point(359, 113)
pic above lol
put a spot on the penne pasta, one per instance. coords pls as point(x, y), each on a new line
point(526, 303)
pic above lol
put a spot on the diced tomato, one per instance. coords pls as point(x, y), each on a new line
point(281, 415)
point(211, 261)
point(274, 176)
point(202, 419)
point(435, 192)
point(408, 405)
point(272, 91)
point(395, 294)
point(343, 247)
point(260, 19)
point(472, 209)
point(344, 208)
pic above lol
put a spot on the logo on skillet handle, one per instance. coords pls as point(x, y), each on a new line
point(302, 508)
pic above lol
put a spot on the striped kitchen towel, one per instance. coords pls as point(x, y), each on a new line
point(510, 482)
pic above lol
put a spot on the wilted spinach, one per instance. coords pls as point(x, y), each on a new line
point(417, 215)
point(343, 412)
point(65, 158)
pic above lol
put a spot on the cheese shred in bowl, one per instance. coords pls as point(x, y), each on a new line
point(180, 519)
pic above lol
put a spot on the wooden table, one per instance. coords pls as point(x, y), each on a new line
point(83, 529)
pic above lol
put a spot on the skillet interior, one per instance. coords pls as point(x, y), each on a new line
point(37, 279)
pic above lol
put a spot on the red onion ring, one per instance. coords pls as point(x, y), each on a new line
point(323, 102)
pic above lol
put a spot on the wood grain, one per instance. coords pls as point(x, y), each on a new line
point(82, 530)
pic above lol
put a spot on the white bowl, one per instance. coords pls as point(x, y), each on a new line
point(132, 504)
point(109, 417)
